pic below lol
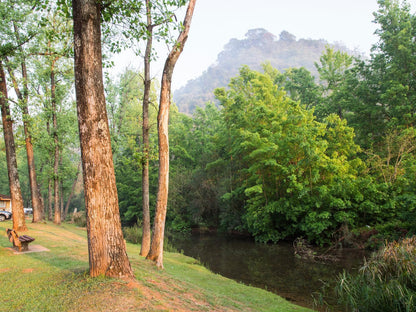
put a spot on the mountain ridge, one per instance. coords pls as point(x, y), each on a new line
point(258, 46)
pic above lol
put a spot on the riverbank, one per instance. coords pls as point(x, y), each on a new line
point(57, 280)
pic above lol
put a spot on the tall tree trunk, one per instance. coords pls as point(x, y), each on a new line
point(61, 199)
point(156, 248)
point(22, 95)
point(106, 245)
point(72, 192)
point(34, 189)
point(19, 222)
point(50, 200)
point(144, 251)
point(57, 216)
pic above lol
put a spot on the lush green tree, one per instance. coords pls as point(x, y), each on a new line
point(125, 118)
point(394, 63)
point(383, 91)
point(290, 169)
point(335, 70)
point(299, 84)
point(194, 199)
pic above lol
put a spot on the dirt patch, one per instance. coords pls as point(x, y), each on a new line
point(32, 248)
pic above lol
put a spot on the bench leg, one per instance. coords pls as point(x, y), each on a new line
point(25, 247)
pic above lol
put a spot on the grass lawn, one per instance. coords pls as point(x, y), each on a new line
point(57, 280)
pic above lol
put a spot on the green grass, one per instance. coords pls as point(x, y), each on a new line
point(58, 280)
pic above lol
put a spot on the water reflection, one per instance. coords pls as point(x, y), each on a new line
point(272, 267)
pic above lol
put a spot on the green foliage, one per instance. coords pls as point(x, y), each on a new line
point(194, 197)
point(124, 109)
point(133, 234)
point(297, 175)
point(387, 282)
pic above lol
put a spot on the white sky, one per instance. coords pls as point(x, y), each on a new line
point(215, 22)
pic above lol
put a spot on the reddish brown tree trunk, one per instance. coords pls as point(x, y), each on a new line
point(144, 251)
point(50, 200)
point(19, 223)
point(57, 215)
point(156, 248)
point(106, 245)
point(23, 101)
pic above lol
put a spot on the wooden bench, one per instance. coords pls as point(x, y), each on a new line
point(22, 242)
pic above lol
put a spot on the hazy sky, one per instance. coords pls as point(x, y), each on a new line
point(215, 22)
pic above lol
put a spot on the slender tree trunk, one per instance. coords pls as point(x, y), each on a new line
point(72, 192)
point(156, 248)
point(50, 211)
point(57, 215)
point(144, 251)
point(48, 129)
point(23, 100)
point(19, 222)
point(61, 199)
point(106, 245)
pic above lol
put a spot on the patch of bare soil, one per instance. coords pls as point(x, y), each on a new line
point(151, 295)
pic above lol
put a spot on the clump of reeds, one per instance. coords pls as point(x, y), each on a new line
point(386, 282)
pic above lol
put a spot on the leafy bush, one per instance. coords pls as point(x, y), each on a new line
point(387, 282)
point(133, 234)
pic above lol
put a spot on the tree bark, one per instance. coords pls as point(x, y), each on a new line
point(37, 203)
point(144, 251)
point(156, 248)
point(50, 200)
point(57, 215)
point(106, 245)
point(19, 222)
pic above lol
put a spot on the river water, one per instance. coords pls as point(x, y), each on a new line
point(272, 267)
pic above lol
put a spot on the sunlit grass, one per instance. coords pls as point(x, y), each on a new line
point(58, 280)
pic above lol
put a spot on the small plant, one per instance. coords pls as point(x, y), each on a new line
point(387, 282)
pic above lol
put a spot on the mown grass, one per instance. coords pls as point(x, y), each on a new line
point(57, 280)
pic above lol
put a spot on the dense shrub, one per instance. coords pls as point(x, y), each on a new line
point(387, 282)
point(133, 234)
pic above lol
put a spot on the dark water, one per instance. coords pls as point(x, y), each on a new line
point(272, 267)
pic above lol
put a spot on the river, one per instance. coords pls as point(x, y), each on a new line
point(272, 267)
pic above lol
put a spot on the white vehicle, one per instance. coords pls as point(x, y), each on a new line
point(28, 211)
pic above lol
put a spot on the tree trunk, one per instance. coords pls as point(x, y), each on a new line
point(50, 200)
point(57, 215)
point(19, 222)
point(144, 251)
point(106, 245)
point(61, 198)
point(72, 192)
point(156, 248)
point(23, 102)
